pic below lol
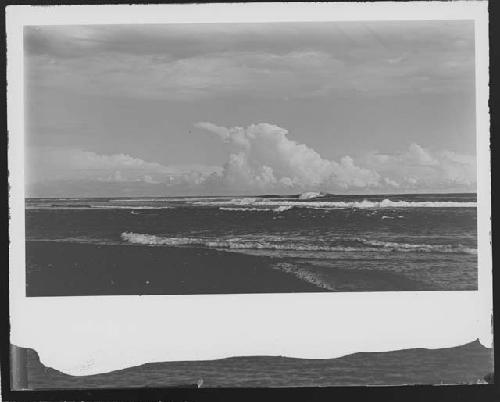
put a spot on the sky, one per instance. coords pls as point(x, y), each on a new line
point(255, 108)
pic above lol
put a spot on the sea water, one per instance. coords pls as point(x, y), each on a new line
point(327, 242)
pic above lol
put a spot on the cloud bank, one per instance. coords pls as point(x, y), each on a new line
point(261, 158)
point(196, 61)
point(264, 158)
point(60, 172)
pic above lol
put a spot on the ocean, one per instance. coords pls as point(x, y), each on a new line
point(263, 244)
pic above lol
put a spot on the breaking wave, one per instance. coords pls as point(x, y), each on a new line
point(356, 245)
point(310, 194)
point(386, 203)
point(281, 208)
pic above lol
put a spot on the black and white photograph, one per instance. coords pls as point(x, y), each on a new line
point(278, 158)
point(250, 158)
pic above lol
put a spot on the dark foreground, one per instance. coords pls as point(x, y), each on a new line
point(75, 269)
point(467, 364)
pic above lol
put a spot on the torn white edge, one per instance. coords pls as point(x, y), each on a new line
point(89, 335)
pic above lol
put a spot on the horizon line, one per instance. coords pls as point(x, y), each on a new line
point(248, 195)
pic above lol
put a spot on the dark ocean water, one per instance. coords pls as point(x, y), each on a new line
point(251, 244)
point(466, 364)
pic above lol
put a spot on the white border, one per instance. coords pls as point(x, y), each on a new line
point(87, 335)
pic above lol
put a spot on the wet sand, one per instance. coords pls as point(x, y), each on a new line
point(76, 269)
point(70, 269)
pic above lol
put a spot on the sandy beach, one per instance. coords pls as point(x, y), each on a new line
point(76, 269)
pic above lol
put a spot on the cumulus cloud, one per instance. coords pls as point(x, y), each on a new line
point(419, 156)
point(420, 169)
point(71, 164)
point(262, 157)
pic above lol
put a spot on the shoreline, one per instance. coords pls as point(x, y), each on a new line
point(61, 268)
point(72, 269)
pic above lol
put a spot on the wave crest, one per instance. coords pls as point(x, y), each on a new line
point(281, 208)
point(386, 203)
point(310, 194)
point(357, 244)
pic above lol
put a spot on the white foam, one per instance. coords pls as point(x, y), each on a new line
point(127, 207)
point(280, 208)
point(309, 194)
point(242, 209)
point(440, 248)
point(261, 204)
point(386, 203)
point(237, 201)
point(283, 208)
point(283, 244)
point(307, 276)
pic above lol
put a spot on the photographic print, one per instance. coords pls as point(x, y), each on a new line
point(248, 195)
point(250, 157)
